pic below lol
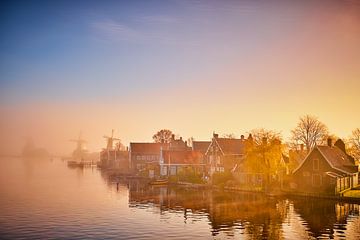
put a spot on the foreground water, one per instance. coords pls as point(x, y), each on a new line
point(47, 200)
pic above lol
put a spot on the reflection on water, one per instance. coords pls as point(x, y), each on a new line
point(43, 199)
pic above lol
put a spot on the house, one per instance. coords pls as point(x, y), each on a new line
point(325, 170)
point(172, 162)
point(224, 154)
point(145, 156)
point(296, 156)
point(200, 146)
point(115, 158)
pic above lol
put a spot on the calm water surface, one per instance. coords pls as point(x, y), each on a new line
point(47, 200)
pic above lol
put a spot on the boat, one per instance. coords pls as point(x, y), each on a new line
point(75, 164)
point(159, 182)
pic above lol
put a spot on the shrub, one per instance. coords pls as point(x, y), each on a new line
point(221, 178)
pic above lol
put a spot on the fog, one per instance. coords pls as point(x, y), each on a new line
point(52, 126)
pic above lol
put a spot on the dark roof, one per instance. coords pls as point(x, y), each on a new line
point(200, 146)
point(297, 156)
point(178, 144)
point(231, 145)
point(338, 159)
point(182, 157)
point(147, 148)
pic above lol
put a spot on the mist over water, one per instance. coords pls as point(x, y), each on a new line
point(46, 199)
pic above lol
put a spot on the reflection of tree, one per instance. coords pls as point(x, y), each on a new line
point(227, 212)
point(323, 216)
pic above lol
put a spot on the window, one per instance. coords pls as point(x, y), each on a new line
point(316, 180)
point(315, 164)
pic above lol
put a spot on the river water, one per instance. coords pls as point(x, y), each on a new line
point(48, 200)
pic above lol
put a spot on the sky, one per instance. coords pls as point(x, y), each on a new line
point(194, 67)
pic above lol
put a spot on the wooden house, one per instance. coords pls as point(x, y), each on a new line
point(145, 156)
point(224, 154)
point(173, 162)
point(325, 170)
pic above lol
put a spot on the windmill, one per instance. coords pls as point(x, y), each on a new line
point(109, 146)
point(110, 140)
point(80, 150)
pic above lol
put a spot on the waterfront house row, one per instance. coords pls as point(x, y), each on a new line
point(325, 169)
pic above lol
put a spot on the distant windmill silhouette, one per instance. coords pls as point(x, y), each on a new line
point(110, 140)
point(80, 147)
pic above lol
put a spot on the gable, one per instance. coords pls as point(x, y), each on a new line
point(329, 157)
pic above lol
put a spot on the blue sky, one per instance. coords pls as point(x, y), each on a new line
point(192, 66)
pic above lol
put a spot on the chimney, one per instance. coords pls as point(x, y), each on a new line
point(215, 135)
point(329, 142)
point(340, 144)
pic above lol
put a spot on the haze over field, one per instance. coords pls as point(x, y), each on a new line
point(190, 66)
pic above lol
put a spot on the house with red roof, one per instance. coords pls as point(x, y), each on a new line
point(144, 156)
point(326, 170)
point(173, 162)
point(225, 154)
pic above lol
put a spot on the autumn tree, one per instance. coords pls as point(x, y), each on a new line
point(264, 154)
point(354, 144)
point(163, 136)
point(309, 131)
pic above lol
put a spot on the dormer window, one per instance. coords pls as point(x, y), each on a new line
point(316, 164)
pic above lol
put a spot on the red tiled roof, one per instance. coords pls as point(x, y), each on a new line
point(201, 146)
point(182, 157)
point(338, 159)
point(231, 146)
point(147, 148)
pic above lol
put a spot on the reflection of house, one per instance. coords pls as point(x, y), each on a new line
point(224, 210)
point(173, 162)
point(224, 154)
point(326, 169)
point(321, 216)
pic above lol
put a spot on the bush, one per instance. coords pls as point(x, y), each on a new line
point(190, 177)
point(221, 178)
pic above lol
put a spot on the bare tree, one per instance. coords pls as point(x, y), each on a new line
point(163, 136)
point(310, 132)
point(229, 135)
point(354, 142)
point(260, 134)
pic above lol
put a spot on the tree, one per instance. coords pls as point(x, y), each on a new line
point(260, 134)
point(354, 144)
point(229, 135)
point(163, 136)
point(265, 153)
point(310, 132)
